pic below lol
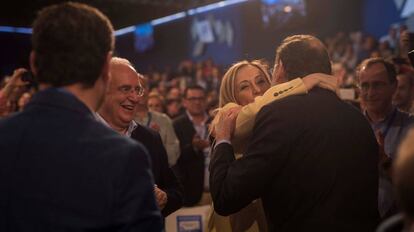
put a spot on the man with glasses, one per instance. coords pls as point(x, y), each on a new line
point(122, 97)
point(192, 132)
point(377, 82)
point(118, 111)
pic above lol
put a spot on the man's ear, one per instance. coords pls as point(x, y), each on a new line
point(105, 75)
point(279, 75)
point(32, 62)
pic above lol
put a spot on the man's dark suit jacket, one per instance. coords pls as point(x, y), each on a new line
point(163, 175)
point(190, 165)
point(61, 170)
point(313, 161)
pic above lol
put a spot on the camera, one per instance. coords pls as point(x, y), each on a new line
point(29, 79)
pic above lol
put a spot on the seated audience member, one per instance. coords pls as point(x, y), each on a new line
point(61, 170)
point(118, 111)
point(403, 182)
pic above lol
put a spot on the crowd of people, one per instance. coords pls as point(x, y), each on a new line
point(87, 142)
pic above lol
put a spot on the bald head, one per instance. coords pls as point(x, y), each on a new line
point(122, 96)
point(118, 64)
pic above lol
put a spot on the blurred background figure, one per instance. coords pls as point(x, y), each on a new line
point(156, 102)
point(403, 97)
point(157, 121)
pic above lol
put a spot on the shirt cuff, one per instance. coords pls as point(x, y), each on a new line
point(221, 141)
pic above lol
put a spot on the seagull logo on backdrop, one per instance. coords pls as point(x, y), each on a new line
point(406, 12)
point(406, 7)
point(210, 30)
point(399, 3)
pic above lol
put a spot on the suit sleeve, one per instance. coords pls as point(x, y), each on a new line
point(169, 183)
point(236, 183)
point(135, 207)
point(185, 137)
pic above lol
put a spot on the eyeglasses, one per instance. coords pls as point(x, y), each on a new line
point(127, 89)
point(377, 85)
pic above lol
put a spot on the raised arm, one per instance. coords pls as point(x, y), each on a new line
point(322, 80)
point(245, 119)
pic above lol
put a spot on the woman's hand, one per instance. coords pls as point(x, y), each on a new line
point(224, 128)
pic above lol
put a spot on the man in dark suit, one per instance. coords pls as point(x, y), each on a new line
point(192, 132)
point(311, 158)
point(60, 169)
point(118, 111)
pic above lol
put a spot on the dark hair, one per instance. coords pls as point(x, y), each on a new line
point(193, 87)
point(302, 55)
point(71, 42)
point(390, 68)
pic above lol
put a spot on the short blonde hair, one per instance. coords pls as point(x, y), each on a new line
point(228, 83)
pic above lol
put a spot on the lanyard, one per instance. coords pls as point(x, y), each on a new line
point(389, 123)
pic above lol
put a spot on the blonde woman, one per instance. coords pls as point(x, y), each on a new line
point(246, 84)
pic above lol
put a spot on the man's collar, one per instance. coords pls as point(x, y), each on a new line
point(59, 97)
point(131, 127)
point(386, 117)
point(191, 117)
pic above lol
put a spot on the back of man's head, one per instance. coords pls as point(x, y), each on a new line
point(404, 175)
point(71, 42)
point(302, 55)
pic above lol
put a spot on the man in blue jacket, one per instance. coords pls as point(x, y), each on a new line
point(60, 169)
